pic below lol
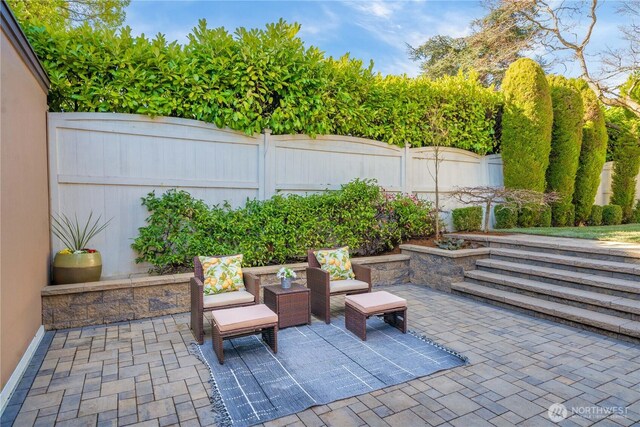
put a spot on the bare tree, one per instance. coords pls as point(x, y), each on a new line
point(513, 199)
point(605, 72)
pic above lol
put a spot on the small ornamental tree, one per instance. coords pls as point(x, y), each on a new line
point(526, 126)
point(592, 154)
point(566, 140)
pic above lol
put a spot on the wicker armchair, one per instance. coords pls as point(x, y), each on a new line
point(322, 288)
point(201, 303)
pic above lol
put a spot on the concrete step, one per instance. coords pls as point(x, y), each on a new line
point(602, 303)
point(621, 270)
point(590, 249)
point(550, 309)
point(608, 285)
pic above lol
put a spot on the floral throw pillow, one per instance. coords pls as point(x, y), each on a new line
point(336, 262)
point(222, 274)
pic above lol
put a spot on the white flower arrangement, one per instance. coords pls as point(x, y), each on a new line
point(286, 273)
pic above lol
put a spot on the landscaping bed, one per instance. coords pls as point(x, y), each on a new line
point(628, 233)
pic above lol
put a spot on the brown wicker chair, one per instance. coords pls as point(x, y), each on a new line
point(322, 289)
point(215, 302)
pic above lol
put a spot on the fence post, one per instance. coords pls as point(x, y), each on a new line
point(407, 184)
point(268, 187)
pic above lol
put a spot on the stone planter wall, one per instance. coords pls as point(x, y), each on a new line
point(96, 303)
point(439, 268)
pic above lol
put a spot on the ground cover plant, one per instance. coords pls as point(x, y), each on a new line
point(281, 229)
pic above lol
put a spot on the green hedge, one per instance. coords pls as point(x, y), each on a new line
point(526, 126)
point(506, 217)
point(596, 215)
point(611, 215)
point(467, 219)
point(635, 218)
point(256, 79)
point(592, 153)
point(624, 146)
point(279, 230)
point(566, 139)
point(534, 216)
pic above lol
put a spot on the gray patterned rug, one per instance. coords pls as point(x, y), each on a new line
point(315, 365)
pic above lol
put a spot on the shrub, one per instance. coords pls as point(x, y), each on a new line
point(566, 139)
point(596, 215)
point(280, 229)
point(624, 144)
point(467, 219)
point(592, 153)
point(534, 216)
point(506, 217)
point(256, 79)
point(544, 217)
point(635, 218)
point(526, 126)
point(611, 215)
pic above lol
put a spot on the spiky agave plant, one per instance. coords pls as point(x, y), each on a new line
point(73, 234)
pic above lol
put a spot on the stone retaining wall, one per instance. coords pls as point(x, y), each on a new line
point(439, 268)
point(83, 304)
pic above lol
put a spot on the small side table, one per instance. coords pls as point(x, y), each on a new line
point(292, 305)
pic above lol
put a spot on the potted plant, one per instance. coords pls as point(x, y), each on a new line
point(285, 275)
point(76, 263)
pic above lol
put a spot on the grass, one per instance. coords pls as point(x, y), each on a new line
point(618, 233)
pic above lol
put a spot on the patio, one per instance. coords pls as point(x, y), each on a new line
point(142, 372)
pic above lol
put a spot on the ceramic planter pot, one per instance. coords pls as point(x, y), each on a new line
point(285, 282)
point(77, 268)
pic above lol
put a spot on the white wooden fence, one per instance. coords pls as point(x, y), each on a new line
point(104, 163)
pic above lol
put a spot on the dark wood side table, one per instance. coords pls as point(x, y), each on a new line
point(292, 305)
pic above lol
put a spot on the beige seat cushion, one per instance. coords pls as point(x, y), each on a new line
point(337, 286)
point(227, 298)
point(375, 302)
point(252, 316)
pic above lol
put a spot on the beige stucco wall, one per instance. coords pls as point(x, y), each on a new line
point(24, 206)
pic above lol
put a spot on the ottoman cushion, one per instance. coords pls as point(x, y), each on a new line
point(375, 302)
point(253, 316)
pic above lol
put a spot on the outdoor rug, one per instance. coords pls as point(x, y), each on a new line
point(315, 365)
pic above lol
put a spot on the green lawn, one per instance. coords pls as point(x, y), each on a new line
point(618, 233)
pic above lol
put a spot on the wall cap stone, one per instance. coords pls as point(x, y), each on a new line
point(461, 253)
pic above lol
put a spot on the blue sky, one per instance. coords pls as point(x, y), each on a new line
point(377, 29)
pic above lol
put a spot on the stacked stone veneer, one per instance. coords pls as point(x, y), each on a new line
point(439, 268)
point(83, 304)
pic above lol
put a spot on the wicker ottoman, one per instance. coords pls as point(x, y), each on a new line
point(243, 321)
point(358, 308)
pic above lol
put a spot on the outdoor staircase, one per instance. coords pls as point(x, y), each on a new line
point(593, 285)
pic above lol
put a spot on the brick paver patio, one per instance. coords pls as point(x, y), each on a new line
point(141, 372)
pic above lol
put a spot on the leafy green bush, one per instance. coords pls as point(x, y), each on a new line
point(467, 219)
point(624, 146)
point(506, 217)
point(611, 215)
point(592, 153)
point(526, 126)
point(544, 218)
point(635, 218)
point(596, 215)
point(278, 230)
point(257, 79)
point(566, 139)
point(534, 216)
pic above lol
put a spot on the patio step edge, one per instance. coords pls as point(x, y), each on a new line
point(576, 315)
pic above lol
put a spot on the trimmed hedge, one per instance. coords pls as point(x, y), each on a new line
point(256, 79)
point(505, 217)
point(279, 230)
point(535, 216)
point(611, 215)
point(635, 218)
point(596, 215)
point(467, 219)
point(526, 126)
point(624, 138)
point(566, 139)
point(592, 153)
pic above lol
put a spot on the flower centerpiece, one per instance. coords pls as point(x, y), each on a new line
point(285, 275)
point(76, 263)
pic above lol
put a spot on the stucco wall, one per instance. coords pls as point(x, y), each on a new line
point(24, 204)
